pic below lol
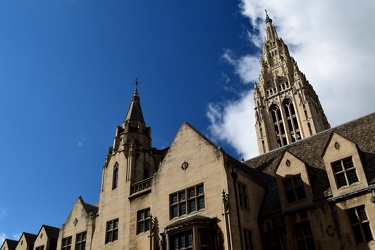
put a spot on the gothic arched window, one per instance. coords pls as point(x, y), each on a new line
point(278, 125)
point(309, 126)
point(115, 176)
point(292, 121)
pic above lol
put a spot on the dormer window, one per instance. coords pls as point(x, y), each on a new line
point(294, 182)
point(345, 172)
point(294, 190)
point(344, 166)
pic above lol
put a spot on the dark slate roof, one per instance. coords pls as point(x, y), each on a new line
point(88, 207)
point(255, 175)
point(12, 244)
point(30, 238)
point(310, 150)
point(52, 232)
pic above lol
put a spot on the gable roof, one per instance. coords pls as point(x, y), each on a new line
point(52, 232)
point(88, 207)
point(12, 244)
point(310, 150)
point(199, 133)
point(231, 161)
point(256, 177)
point(30, 238)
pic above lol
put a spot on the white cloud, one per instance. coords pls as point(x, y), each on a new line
point(16, 236)
point(3, 236)
point(332, 43)
point(247, 66)
point(233, 120)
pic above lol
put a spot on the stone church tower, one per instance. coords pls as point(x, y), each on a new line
point(128, 168)
point(287, 108)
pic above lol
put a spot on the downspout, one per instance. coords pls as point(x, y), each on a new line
point(93, 224)
point(151, 231)
point(235, 177)
point(226, 217)
point(226, 207)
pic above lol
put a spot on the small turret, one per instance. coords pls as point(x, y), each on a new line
point(133, 129)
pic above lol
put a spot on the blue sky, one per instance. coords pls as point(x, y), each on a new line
point(66, 74)
point(67, 68)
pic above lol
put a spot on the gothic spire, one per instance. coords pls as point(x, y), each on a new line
point(135, 114)
point(268, 19)
point(270, 29)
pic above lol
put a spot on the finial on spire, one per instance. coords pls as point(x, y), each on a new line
point(268, 19)
point(136, 83)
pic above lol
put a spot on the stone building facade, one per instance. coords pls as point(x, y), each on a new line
point(314, 192)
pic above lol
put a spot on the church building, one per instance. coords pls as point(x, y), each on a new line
point(311, 187)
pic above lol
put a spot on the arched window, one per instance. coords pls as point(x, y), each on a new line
point(278, 125)
point(115, 176)
point(308, 125)
point(292, 121)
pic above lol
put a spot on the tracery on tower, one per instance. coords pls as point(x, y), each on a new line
point(287, 108)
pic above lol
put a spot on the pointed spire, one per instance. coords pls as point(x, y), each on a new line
point(135, 114)
point(268, 19)
point(270, 29)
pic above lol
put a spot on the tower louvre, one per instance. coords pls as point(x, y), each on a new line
point(287, 109)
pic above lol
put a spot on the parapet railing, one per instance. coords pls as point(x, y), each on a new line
point(141, 185)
